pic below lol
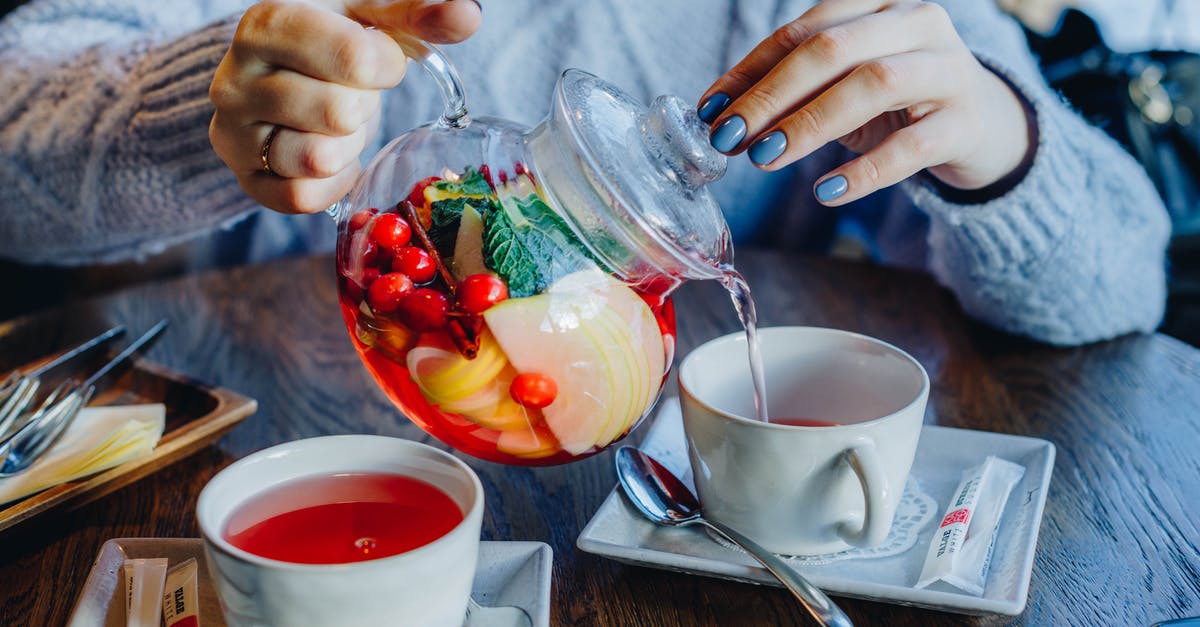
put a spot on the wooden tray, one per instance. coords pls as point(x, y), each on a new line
point(197, 414)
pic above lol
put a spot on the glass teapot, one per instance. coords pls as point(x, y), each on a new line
point(507, 287)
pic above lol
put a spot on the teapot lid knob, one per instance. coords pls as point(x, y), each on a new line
point(674, 135)
point(647, 167)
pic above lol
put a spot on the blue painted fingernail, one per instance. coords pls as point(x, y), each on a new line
point(712, 107)
point(832, 188)
point(767, 148)
point(728, 134)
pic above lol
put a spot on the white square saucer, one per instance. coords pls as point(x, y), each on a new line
point(619, 532)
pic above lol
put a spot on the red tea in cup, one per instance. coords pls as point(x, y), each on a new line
point(875, 392)
point(342, 518)
point(292, 533)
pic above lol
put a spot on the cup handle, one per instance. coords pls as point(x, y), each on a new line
point(864, 459)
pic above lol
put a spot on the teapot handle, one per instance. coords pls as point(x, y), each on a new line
point(439, 68)
point(430, 57)
point(373, 15)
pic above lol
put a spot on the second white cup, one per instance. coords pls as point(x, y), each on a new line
point(803, 490)
point(428, 585)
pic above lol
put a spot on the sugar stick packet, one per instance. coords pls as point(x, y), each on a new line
point(961, 550)
point(181, 596)
point(144, 579)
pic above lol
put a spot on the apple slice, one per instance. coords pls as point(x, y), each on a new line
point(491, 406)
point(468, 245)
point(476, 388)
point(532, 443)
point(633, 324)
point(632, 362)
point(433, 193)
point(445, 376)
point(546, 335)
point(583, 332)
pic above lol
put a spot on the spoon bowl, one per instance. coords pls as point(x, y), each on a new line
point(662, 498)
point(654, 490)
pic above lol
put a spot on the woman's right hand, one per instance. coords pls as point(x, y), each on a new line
point(316, 74)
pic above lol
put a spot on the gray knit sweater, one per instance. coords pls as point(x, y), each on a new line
point(104, 152)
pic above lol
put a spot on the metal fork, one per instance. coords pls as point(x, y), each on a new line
point(44, 427)
point(18, 389)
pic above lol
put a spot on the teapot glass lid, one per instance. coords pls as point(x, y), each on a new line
point(651, 164)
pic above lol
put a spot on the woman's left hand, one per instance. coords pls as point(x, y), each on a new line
point(890, 81)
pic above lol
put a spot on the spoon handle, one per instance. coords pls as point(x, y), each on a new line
point(816, 602)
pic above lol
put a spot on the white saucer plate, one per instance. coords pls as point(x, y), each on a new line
point(619, 532)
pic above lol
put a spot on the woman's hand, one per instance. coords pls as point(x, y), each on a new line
point(316, 74)
point(891, 81)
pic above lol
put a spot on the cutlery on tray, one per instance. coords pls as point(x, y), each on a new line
point(42, 429)
point(18, 389)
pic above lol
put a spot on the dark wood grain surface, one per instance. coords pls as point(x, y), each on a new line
point(1119, 544)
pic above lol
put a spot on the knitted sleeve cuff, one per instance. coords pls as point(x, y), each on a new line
point(160, 165)
point(106, 150)
point(1017, 228)
point(1008, 181)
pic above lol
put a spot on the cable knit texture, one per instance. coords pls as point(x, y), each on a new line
point(104, 140)
point(104, 152)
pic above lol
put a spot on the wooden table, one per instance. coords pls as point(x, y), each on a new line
point(1119, 544)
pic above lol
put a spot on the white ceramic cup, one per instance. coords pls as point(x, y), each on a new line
point(803, 490)
point(428, 585)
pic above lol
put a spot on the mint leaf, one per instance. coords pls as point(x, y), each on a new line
point(446, 216)
point(506, 253)
point(530, 246)
point(544, 219)
point(471, 183)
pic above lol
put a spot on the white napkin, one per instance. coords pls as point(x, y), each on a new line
point(98, 439)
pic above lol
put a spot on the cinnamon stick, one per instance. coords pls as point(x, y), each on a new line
point(464, 328)
point(410, 213)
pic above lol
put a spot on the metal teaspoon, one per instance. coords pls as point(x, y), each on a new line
point(664, 499)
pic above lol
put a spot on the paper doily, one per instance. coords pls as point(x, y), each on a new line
point(915, 510)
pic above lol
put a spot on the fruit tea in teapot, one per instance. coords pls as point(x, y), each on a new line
point(490, 324)
point(509, 288)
